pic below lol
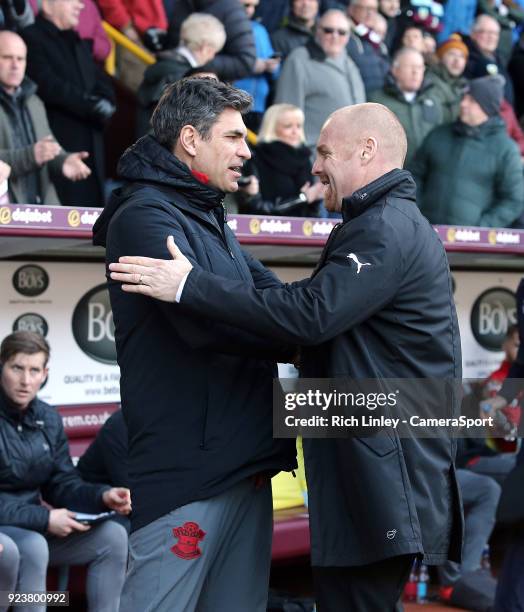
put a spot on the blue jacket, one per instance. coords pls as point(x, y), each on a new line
point(257, 85)
point(458, 17)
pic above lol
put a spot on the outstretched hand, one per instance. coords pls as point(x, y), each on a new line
point(157, 278)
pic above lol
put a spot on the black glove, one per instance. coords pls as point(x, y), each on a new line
point(155, 39)
point(101, 109)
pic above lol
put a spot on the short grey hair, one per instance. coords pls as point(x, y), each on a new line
point(404, 51)
point(196, 102)
point(479, 18)
point(200, 29)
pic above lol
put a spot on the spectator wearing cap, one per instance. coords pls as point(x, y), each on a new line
point(470, 172)
point(483, 56)
point(411, 97)
point(447, 75)
point(365, 47)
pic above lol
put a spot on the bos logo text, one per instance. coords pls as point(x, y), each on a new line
point(93, 327)
point(32, 322)
point(30, 280)
point(492, 313)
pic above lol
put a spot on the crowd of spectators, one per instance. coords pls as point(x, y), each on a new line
point(439, 66)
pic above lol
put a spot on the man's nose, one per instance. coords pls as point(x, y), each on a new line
point(244, 151)
point(25, 379)
point(316, 167)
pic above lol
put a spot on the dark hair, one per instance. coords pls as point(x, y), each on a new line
point(512, 329)
point(25, 342)
point(196, 102)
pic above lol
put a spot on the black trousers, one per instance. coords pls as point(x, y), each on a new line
point(376, 587)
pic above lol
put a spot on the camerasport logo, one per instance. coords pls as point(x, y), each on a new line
point(93, 327)
point(492, 313)
point(32, 322)
point(30, 280)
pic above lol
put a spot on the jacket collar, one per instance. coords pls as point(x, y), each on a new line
point(365, 197)
point(315, 51)
point(25, 91)
point(16, 416)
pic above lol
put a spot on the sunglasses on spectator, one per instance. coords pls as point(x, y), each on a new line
point(338, 31)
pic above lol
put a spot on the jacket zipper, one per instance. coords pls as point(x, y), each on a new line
point(221, 229)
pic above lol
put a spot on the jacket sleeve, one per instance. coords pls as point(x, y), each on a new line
point(198, 333)
point(420, 165)
point(239, 55)
point(16, 513)
point(291, 84)
point(106, 458)
point(115, 13)
point(21, 160)
point(332, 302)
point(65, 488)
point(262, 277)
point(508, 195)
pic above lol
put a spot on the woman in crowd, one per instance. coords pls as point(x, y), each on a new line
point(278, 178)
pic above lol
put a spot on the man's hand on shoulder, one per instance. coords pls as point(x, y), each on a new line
point(118, 499)
point(157, 278)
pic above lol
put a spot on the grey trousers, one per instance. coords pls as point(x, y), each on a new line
point(480, 497)
point(206, 556)
point(103, 548)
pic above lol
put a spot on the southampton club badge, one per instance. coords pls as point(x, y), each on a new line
point(189, 535)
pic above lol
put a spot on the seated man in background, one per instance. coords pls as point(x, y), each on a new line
point(26, 141)
point(470, 172)
point(35, 465)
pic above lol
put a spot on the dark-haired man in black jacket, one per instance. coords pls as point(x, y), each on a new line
point(196, 396)
point(379, 305)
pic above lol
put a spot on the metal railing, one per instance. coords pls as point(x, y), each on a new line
point(117, 38)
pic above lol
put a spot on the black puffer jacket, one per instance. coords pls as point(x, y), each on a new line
point(196, 397)
point(370, 498)
point(34, 464)
point(291, 35)
point(237, 58)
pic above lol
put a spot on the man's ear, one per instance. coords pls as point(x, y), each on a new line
point(188, 140)
point(369, 149)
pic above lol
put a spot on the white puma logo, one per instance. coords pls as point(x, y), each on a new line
point(355, 259)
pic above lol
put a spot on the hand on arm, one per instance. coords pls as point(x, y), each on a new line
point(156, 278)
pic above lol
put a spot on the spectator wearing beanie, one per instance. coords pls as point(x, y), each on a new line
point(469, 172)
point(447, 75)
